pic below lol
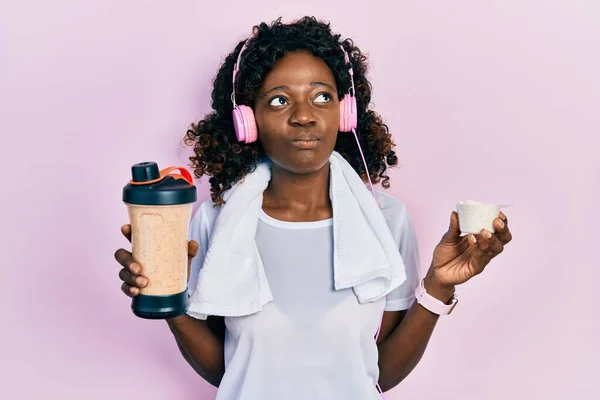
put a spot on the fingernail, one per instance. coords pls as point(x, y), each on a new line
point(473, 239)
point(134, 268)
point(141, 281)
point(487, 234)
point(501, 225)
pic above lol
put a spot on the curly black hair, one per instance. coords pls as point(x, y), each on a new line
point(217, 150)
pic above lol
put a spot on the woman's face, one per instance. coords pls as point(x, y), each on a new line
point(297, 112)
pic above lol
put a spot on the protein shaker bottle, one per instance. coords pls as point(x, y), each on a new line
point(159, 204)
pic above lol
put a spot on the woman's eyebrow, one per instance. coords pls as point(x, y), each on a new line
point(280, 87)
point(284, 87)
point(319, 83)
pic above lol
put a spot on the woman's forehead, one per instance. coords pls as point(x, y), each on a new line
point(298, 68)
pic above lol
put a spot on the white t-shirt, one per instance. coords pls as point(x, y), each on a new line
point(310, 342)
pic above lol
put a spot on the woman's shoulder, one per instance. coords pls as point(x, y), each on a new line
point(395, 212)
point(390, 204)
point(205, 215)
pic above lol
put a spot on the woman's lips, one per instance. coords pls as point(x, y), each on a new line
point(307, 144)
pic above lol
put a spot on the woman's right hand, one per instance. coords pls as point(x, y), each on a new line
point(131, 276)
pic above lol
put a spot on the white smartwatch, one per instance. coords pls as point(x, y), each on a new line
point(432, 304)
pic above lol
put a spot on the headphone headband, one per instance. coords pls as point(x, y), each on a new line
point(350, 70)
point(236, 69)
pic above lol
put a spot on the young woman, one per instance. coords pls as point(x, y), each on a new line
point(310, 339)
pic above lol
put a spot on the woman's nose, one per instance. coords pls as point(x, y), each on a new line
point(302, 114)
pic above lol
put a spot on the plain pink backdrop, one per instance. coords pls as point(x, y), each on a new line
point(497, 101)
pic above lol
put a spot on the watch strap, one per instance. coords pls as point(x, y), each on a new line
point(431, 303)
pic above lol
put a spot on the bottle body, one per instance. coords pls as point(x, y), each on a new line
point(159, 238)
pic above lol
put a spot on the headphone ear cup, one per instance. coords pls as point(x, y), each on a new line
point(343, 118)
point(348, 113)
point(251, 128)
point(244, 124)
point(352, 113)
point(238, 124)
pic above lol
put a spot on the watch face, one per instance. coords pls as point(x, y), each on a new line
point(454, 303)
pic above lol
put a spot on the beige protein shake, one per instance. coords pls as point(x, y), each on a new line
point(159, 205)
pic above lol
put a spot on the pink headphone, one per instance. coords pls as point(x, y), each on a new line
point(245, 124)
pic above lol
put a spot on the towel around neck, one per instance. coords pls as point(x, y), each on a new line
point(232, 280)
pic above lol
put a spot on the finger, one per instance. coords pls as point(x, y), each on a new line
point(476, 249)
point(502, 231)
point(496, 245)
point(126, 231)
point(129, 290)
point(472, 239)
point(193, 248)
point(133, 280)
point(503, 217)
point(453, 233)
point(126, 260)
point(483, 241)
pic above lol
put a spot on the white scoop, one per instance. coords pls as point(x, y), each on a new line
point(473, 216)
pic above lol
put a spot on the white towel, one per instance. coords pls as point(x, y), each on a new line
point(232, 280)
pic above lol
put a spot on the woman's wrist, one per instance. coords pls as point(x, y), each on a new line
point(442, 292)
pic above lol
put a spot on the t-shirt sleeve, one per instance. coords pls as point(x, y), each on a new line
point(403, 296)
point(199, 231)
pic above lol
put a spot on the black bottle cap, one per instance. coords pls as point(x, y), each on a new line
point(146, 171)
point(151, 186)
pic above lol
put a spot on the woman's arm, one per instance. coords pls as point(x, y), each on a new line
point(456, 259)
point(404, 337)
point(201, 344)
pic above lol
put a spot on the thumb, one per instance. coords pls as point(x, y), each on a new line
point(193, 248)
point(453, 233)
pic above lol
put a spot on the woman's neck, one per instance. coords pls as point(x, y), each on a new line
point(295, 197)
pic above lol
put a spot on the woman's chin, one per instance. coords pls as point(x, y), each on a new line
point(303, 163)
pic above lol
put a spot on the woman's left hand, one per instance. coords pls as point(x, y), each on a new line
point(456, 259)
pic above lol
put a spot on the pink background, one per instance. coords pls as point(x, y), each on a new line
point(489, 100)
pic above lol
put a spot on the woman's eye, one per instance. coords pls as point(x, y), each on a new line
point(323, 98)
point(278, 101)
